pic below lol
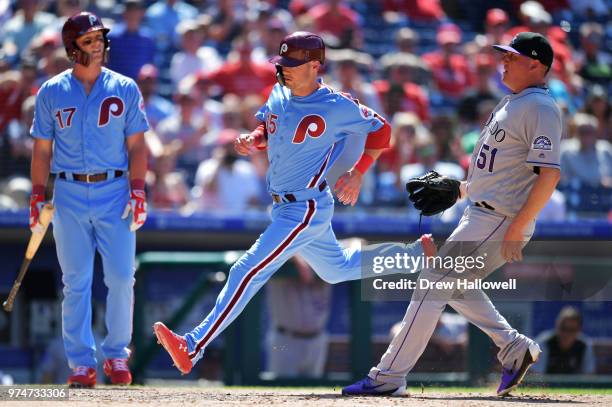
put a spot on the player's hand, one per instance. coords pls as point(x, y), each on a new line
point(37, 201)
point(138, 206)
point(348, 186)
point(512, 246)
point(243, 144)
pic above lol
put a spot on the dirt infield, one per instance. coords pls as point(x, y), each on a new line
point(205, 396)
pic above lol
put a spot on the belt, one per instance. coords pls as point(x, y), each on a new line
point(483, 204)
point(276, 198)
point(297, 334)
point(90, 178)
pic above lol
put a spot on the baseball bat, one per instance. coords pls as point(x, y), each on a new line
point(35, 239)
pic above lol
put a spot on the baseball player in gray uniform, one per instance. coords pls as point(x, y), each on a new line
point(513, 172)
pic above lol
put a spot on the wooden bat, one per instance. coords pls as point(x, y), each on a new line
point(46, 214)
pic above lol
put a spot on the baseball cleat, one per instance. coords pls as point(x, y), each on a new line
point(118, 371)
point(511, 378)
point(175, 345)
point(429, 246)
point(82, 377)
point(369, 387)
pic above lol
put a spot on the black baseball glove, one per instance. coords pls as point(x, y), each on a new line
point(433, 193)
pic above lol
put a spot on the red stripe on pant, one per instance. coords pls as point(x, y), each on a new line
point(279, 249)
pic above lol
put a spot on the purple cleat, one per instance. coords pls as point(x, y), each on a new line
point(369, 387)
point(511, 378)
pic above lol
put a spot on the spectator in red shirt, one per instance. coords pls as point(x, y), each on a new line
point(405, 128)
point(400, 93)
point(15, 87)
point(337, 19)
point(428, 11)
point(450, 69)
point(497, 25)
point(242, 76)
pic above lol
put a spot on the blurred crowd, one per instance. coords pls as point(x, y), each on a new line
point(426, 65)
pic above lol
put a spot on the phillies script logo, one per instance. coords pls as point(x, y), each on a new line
point(312, 125)
point(112, 105)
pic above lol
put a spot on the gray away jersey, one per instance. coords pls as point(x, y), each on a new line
point(523, 132)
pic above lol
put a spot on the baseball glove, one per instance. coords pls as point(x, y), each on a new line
point(432, 193)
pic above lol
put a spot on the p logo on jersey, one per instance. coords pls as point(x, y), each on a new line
point(542, 143)
point(112, 105)
point(312, 125)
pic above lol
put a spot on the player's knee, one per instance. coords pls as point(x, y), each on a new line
point(119, 280)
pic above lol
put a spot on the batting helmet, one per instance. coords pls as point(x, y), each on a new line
point(77, 26)
point(298, 48)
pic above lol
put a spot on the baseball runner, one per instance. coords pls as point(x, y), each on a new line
point(304, 124)
point(513, 173)
point(89, 126)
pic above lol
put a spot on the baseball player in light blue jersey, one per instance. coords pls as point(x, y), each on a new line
point(88, 127)
point(303, 123)
point(514, 171)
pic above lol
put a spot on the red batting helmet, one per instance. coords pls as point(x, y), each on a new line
point(77, 26)
point(298, 48)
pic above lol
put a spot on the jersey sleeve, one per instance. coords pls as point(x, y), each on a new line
point(136, 118)
point(42, 125)
point(543, 134)
point(263, 111)
point(357, 119)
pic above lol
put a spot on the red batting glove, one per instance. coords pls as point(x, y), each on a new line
point(37, 201)
point(138, 206)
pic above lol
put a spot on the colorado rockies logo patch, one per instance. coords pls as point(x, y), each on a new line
point(542, 143)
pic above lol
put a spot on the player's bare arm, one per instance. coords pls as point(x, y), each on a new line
point(540, 194)
point(348, 186)
point(41, 161)
point(137, 153)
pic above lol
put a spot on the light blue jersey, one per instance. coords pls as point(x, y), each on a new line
point(89, 131)
point(305, 134)
point(89, 137)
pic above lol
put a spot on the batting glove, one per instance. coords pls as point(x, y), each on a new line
point(37, 201)
point(138, 206)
